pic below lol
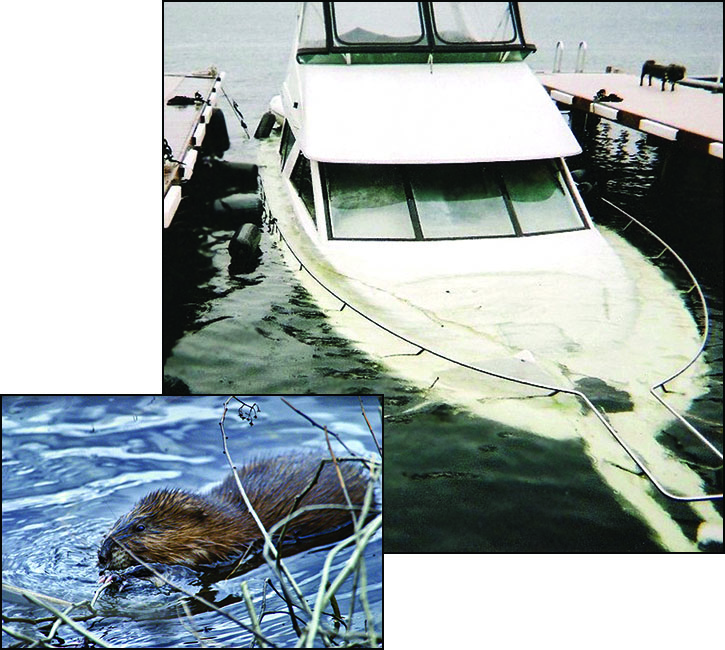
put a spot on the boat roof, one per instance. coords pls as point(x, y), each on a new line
point(420, 113)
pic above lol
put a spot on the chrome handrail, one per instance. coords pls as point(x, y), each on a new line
point(558, 56)
point(704, 336)
point(581, 56)
point(693, 280)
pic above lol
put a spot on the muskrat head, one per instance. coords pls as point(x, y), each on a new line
point(172, 527)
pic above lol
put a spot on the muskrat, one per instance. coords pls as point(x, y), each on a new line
point(173, 526)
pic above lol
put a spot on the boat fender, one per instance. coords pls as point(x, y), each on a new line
point(239, 208)
point(264, 128)
point(216, 140)
point(243, 177)
point(581, 177)
point(215, 178)
point(578, 175)
point(244, 246)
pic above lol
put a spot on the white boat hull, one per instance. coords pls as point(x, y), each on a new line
point(590, 308)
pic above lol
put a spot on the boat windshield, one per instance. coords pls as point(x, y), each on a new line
point(409, 31)
point(450, 201)
point(369, 23)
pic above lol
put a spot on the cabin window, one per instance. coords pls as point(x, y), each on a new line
point(459, 201)
point(367, 202)
point(286, 142)
point(447, 201)
point(378, 23)
point(473, 22)
point(312, 32)
point(410, 32)
point(301, 178)
point(539, 197)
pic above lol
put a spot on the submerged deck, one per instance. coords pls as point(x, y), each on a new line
point(689, 116)
point(184, 129)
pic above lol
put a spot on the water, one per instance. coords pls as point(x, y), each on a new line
point(224, 331)
point(625, 34)
point(73, 465)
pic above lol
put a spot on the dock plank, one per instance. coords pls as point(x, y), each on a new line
point(692, 116)
point(183, 128)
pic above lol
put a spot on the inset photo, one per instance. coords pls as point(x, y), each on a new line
point(240, 520)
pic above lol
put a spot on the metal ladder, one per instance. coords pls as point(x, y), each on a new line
point(581, 56)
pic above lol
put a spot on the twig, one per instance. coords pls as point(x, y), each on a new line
point(323, 595)
point(22, 591)
point(69, 621)
point(372, 433)
point(319, 426)
point(252, 613)
point(340, 479)
point(315, 628)
point(278, 567)
point(196, 597)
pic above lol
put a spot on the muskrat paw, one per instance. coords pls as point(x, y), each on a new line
point(114, 581)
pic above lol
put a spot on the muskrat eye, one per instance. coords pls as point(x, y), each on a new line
point(140, 528)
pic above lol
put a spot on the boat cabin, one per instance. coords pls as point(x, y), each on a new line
point(432, 201)
point(419, 179)
point(419, 121)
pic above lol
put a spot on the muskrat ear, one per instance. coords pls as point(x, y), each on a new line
point(194, 511)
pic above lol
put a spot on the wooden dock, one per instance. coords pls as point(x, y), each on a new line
point(689, 116)
point(184, 129)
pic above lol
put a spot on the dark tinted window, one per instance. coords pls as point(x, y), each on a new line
point(301, 178)
point(286, 142)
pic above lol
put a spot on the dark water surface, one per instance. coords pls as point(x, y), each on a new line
point(491, 488)
point(72, 466)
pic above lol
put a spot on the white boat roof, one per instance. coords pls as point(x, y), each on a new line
point(418, 113)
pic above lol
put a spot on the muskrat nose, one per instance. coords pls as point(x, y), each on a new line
point(104, 553)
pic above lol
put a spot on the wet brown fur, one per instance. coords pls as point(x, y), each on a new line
point(179, 527)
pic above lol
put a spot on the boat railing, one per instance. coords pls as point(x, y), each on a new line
point(694, 289)
point(552, 389)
